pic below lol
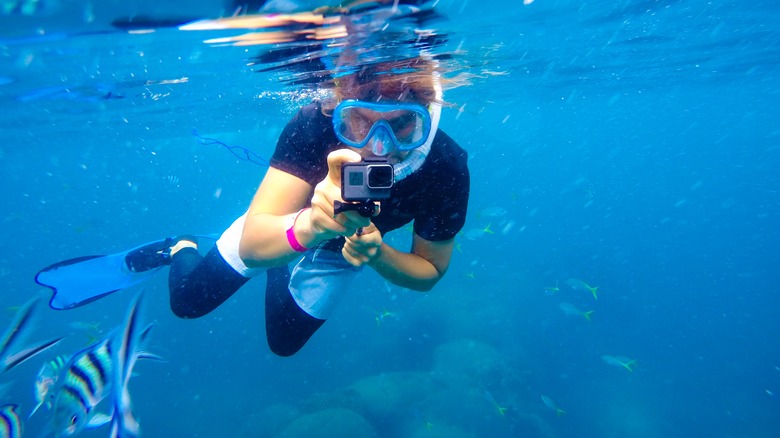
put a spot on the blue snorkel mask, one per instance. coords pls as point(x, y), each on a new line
point(384, 127)
point(386, 130)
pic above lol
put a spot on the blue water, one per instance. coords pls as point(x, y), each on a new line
point(634, 145)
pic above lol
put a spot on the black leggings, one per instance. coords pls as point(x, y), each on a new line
point(199, 284)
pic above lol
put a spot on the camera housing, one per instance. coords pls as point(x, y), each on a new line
point(368, 180)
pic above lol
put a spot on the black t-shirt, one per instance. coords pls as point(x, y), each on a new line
point(435, 196)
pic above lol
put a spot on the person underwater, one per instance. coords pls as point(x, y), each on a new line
point(388, 110)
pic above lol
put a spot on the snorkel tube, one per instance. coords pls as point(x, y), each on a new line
point(416, 157)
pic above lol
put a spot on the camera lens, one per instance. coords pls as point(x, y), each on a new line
point(380, 176)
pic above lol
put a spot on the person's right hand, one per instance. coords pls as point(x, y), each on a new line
point(323, 222)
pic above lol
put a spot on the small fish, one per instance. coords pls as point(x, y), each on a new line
point(15, 335)
point(581, 285)
point(384, 314)
point(10, 423)
point(492, 212)
point(93, 332)
point(99, 371)
point(416, 412)
point(501, 410)
point(85, 326)
point(476, 233)
point(551, 290)
point(45, 381)
point(572, 310)
point(619, 361)
point(551, 404)
point(171, 179)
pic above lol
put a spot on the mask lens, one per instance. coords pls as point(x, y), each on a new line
point(407, 128)
point(355, 122)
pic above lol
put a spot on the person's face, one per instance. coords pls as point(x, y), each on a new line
point(381, 144)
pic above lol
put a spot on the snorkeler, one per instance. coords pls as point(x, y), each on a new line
point(387, 110)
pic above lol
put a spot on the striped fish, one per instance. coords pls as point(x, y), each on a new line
point(96, 373)
point(171, 179)
point(126, 349)
point(10, 423)
point(15, 334)
point(84, 384)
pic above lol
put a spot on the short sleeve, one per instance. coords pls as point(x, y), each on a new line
point(445, 214)
point(303, 145)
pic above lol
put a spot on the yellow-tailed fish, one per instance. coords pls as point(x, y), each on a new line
point(619, 361)
point(476, 233)
point(572, 310)
point(551, 404)
point(384, 314)
point(577, 284)
point(500, 409)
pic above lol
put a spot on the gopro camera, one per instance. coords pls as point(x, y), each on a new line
point(368, 180)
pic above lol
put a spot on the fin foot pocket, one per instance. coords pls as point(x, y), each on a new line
point(150, 256)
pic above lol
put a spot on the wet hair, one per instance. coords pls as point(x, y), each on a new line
point(410, 80)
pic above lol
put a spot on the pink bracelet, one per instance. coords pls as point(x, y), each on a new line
point(291, 239)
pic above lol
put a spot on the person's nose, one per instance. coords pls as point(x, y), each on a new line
point(381, 143)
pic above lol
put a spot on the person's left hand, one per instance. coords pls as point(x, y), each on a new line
point(360, 249)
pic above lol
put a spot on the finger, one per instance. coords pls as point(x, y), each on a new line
point(346, 226)
point(336, 159)
point(353, 216)
point(370, 228)
point(349, 258)
point(369, 236)
point(344, 229)
point(360, 253)
point(356, 249)
point(352, 239)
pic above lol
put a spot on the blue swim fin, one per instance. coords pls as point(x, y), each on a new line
point(80, 281)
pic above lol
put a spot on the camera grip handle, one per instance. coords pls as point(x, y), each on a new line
point(365, 208)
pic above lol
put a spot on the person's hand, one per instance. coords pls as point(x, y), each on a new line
point(324, 224)
point(363, 246)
